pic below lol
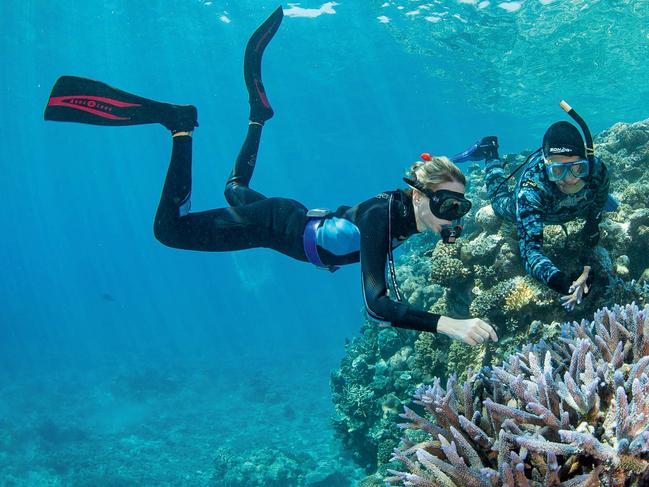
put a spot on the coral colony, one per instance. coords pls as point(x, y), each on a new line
point(573, 413)
point(481, 275)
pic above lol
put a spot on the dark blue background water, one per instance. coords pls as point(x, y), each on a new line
point(85, 287)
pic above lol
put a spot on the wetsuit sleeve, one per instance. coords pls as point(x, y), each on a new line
point(601, 183)
point(529, 223)
point(373, 227)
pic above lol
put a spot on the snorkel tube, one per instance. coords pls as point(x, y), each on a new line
point(590, 148)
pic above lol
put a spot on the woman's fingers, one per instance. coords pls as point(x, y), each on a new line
point(475, 338)
point(481, 332)
point(476, 331)
point(490, 331)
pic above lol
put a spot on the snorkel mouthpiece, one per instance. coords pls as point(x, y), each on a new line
point(451, 232)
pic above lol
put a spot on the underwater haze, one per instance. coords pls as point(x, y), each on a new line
point(125, 362)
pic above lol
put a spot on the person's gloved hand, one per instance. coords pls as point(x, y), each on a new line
point(577, 291)
point(485, 148)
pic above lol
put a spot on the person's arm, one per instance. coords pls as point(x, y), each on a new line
point(374, 249)
point(529, 223)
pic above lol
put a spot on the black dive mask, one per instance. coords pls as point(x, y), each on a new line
point(444, 204)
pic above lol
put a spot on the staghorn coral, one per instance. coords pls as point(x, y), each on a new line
point(572, 413)
point(620, 291)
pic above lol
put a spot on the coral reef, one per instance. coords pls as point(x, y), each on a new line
point(481, 275)
point(413, 274)
point(575, 412)
point(625, 149)
point(271, 467)
point(264, 467)
point(368, 389)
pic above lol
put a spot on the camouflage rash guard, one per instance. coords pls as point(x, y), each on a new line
point(536, 201)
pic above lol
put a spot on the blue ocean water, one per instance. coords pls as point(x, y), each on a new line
point(114, 347)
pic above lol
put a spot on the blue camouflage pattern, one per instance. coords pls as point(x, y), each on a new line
point(536, 201)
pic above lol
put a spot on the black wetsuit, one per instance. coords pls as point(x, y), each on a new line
point(254, 220)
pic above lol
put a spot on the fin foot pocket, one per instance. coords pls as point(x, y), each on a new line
point(180, 118)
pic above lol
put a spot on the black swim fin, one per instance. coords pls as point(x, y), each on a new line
point(83, 100)
point(260, 109)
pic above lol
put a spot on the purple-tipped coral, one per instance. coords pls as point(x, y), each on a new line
point(571, 413)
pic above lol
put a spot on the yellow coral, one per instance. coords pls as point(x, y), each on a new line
point(520, 295)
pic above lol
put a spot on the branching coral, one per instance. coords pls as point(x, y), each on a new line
point(621, 291)
point(482, 276)
point(572, 413)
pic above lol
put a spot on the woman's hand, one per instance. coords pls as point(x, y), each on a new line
point(577, 291)
point(473, 331)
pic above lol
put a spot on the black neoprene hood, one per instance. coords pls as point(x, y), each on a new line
point(563, 139)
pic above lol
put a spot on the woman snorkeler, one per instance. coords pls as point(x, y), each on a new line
point(366, 232)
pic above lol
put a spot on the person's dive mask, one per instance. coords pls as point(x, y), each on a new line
point(451, 232)
point(557, 171)
point(444, 204)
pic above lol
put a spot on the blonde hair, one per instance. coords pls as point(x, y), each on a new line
point(438, 170)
